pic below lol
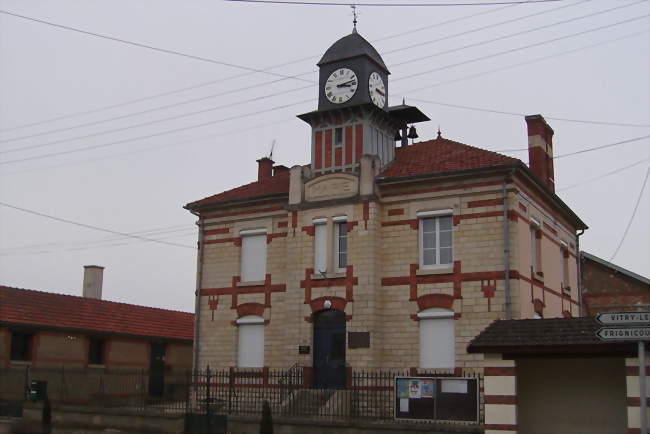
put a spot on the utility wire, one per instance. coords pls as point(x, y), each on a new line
point(280, 93)
point(149, 47)
point(636, 207)
point(604, 175)
point(149, 232)
point(609, 145)
point(156, 121)
point(97, 228)
point(221, 80)
point(507, 113)
point(175, 130)
point(512, 50)
point(249, 87)
point(478, 29)
point(528, 62)
point(314, 3)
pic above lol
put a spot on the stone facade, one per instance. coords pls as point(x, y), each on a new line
point(383, 288)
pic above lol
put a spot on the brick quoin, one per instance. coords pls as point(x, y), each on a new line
point(500, 399)
point(216, 231)
point(250, 211)
point(413, 223)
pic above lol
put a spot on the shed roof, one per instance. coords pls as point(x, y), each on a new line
point(29, 308)
point(545, 336)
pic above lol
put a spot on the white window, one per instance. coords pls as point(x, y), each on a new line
point(251, 342)
point(320, 246)
point(535, 246)
point(437, 339)
point(253, 255)
point(564, 266)
point(330, 245)
point(436, 233)
point(341, 246)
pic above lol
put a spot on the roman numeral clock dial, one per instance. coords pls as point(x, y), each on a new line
point(377, 90)
point(341, 85)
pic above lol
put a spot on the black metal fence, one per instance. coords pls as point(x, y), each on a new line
point(368, 394)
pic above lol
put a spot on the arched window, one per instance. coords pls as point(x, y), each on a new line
point(437, 338)
point(251, 342)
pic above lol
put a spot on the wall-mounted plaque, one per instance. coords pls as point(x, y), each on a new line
point(358, 340)
point(303, 349)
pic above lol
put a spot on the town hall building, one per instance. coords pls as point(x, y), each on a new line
point(380, 252)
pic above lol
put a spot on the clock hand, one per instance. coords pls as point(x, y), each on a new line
point(347, 83)
point(380, 92)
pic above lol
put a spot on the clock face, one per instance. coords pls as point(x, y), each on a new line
point(341, 85)
point(377, 90)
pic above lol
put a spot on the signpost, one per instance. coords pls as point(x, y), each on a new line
point(630, 326)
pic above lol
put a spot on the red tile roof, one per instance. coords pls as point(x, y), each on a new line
point(276, 185)
point(45, 309)
point(423, 158)
point(439, 156)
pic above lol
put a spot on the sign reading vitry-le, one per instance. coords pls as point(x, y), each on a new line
point(376, 255)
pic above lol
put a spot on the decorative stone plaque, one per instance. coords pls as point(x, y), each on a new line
point(334, 186)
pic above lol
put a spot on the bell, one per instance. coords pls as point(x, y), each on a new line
point(398, 136)
point(413, 134)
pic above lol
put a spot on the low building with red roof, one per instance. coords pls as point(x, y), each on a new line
point(47, 332)
point(381, 252)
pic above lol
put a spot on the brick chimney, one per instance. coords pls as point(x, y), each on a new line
point(93, 279)
point(540, 149)
point(265, 168)
point(279, 170)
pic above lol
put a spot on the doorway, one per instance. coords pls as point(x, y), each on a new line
point(329, 349)
point(157, 370)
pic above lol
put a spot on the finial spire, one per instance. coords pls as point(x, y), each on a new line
point(439, 133)
point(354, 20)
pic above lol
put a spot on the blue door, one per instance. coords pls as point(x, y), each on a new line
point(329, 349)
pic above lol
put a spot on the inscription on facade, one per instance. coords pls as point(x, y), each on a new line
point(331, 187)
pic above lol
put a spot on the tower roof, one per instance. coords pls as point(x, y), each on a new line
point(352, 45)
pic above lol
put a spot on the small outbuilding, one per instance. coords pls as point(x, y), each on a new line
point(556, 376)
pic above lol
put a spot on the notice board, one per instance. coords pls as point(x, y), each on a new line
point(436, 398)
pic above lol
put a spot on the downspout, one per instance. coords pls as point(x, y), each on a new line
point(506, 249)
point(581, 303)
point(197, 300)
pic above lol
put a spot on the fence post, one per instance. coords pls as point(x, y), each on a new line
point(187, 390)
point(230, 384)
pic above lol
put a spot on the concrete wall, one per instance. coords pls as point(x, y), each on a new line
point(582, 395)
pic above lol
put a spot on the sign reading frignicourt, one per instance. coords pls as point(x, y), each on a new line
point(628, 326)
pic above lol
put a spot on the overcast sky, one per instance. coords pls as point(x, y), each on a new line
point(570, 60)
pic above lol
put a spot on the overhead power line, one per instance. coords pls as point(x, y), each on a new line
point(604, 175)
point(513, 50)
point(636, 208)
point(175, 130)
point(518, 114)
point(223, 79)
point(249, 87)
point(281, 93)
point(609, 145)
point(314, 3)
point(96, 228)
point(156, 121)
point(149, 47)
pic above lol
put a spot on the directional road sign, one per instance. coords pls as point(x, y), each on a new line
point(624, 333)
point(623, 318)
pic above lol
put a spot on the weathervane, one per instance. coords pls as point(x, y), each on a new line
point(354, 21)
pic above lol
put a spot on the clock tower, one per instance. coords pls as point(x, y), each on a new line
point(353, 116)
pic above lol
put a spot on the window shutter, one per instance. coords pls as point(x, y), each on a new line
point(437, 341)
point(251, 343)
point(320, 248)
point(253, 258)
